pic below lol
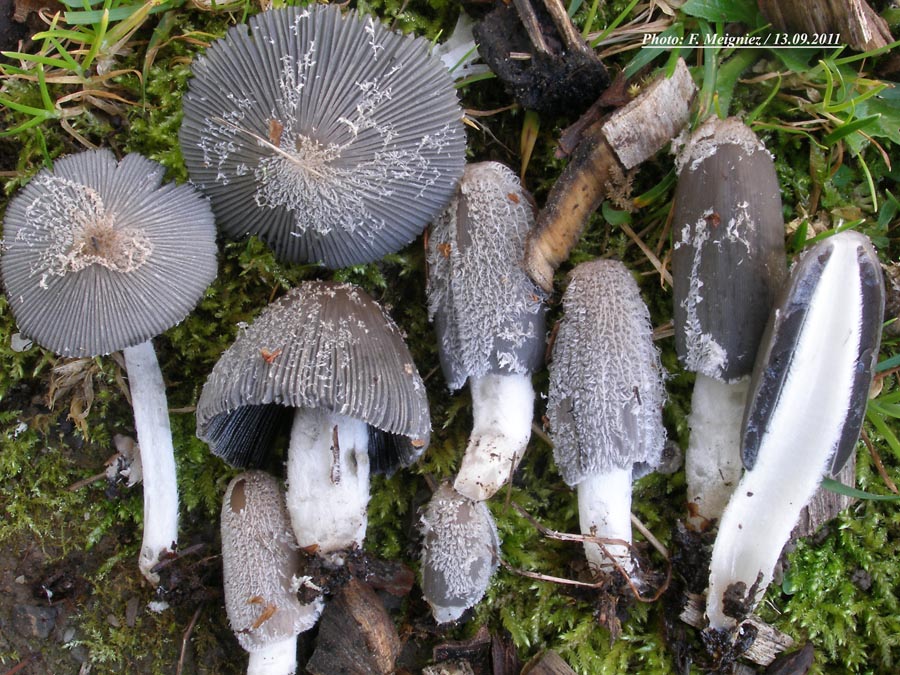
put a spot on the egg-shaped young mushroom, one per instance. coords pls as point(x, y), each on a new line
point(332, 138)
point(604, 405)
point(489, 319)
point(328, 363)
point(261, 569)
point(728, 263)
point(100, 256)
point(460, 552)
point(807, 400)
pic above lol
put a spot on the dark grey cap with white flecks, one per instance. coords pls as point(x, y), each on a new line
point(460, 552)
point(100, 255)
point(330, 137)
point(488, 313)
point(323, 345)
point(604, 404)
point(729, 260)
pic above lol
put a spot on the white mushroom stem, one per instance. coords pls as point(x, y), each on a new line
point(154, 435)
point(604, 511)
point(328, 480)
point(277, 658)
point(713, 459)
point(796, 447)
point(503, 408)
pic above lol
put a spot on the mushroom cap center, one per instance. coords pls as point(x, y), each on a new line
point(75, 229)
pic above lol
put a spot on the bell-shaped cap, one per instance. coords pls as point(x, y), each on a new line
point(852, 327)
point(100, 255)
point(488, 314)
point(728, 260)
point(460, 552)
point(332, 138)
point(323, 345)
point(261, 564)
point(604, 405)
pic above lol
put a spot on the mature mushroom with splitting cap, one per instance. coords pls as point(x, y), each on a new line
point(261, 569)
point(460, 552)
point(327, 361)
point(807, 401)
point(331, 138)
point(727, 265)
point(604, 406)
point(101, 256)
point(489, 318)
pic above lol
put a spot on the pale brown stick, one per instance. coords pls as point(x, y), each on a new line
point(185, 638)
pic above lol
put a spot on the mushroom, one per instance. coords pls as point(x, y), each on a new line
point(604, 406)
point(101, 256)
point(261, 570)
point(331, 138)
point(806, 404)
point(326, 359)
point(489, 317)
point(460, 552)
point(727, 265)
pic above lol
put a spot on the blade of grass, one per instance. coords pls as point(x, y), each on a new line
point(847, 491)
point(881, 426)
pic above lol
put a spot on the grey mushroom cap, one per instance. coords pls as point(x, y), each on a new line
point(460, 552)
point(729, 259)
point(100, 255)
point(604, 404)
point(261, 564)
point(332, 138)
point(788, 319)
point(322, 345)
point(488, 313)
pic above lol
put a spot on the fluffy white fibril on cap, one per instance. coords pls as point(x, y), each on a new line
point(488, 314)
point(100, 255)
point(460, 552)
point(261, 564)
point(332, 138)
point(706, 139)
point(604, 405)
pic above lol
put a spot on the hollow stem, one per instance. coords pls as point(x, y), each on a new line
point(802, 432)
point(503, 408)
point(604, 511)
point(154, 435)
point(713, 458)
point(328, 480)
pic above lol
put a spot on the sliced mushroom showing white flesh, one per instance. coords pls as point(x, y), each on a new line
point(604, 406)
point(261, 573)
point(489, 319)
point(807, 401)
point(460, 552)
point(727, 266)
point(102, 256)
point(328, 364)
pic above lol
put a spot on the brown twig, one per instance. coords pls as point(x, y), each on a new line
point(663, 272)
point(876, 458)
point(601, 542)
point(21, 664)
point(185, 638)
point(178, 555)
point(84, 482)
